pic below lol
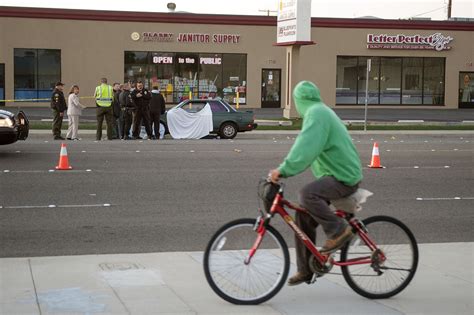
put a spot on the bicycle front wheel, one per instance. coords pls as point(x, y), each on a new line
point(231, 277)
point(382, 279)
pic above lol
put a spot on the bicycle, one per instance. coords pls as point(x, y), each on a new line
point(247, 260)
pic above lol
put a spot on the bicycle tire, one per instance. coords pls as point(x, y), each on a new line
point(276, 286)
point(413, 245)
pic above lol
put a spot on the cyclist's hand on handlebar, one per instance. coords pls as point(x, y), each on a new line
point(274, 176)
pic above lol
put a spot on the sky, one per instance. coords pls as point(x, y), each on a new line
point(388, 9)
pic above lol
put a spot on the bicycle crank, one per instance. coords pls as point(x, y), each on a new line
point(318, 269)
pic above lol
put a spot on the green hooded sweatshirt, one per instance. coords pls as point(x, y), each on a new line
point(323, 143)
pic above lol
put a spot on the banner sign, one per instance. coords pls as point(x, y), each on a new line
point(436, 41)
point(294, 21)
point(166, 37)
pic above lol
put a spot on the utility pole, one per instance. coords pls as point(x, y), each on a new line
point(450, 4)
point(268, 11)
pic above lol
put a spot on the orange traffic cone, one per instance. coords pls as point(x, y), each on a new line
point(375, 163)
point(63, 159)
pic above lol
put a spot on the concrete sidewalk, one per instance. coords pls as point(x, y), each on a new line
point(174, 283)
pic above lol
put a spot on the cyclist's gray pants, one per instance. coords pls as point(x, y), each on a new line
point(315, 197)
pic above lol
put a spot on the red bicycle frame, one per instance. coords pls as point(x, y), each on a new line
point(278, 208)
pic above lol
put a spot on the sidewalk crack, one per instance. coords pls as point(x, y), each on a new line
point(118, 297)
point(34, 287)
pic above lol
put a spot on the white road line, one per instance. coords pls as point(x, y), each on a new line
point(48, 171)
point(443, 198)
point(416, 166)
point(468, 121)
point(411, 121)
point(57, 206)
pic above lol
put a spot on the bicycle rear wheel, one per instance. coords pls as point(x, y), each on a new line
point(234, 280)
point(382, 279)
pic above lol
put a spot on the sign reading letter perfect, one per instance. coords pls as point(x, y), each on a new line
point(294, 21)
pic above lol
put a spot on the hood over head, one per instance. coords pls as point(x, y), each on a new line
point(306, 94)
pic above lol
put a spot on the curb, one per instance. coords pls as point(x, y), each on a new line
point(295, 132)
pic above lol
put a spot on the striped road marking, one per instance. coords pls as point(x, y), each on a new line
point(58, 206)
point(443, 198)
point(48, 171)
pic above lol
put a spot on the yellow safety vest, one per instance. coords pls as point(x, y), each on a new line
point(104, 95)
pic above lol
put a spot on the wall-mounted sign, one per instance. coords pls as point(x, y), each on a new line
point(163, 59)
point(208, 38)
point(135, 36)
point(157, 37)
point(166, 37)
point(187, 60)
point(210, 61)
point(436, 41)
point(294, 21)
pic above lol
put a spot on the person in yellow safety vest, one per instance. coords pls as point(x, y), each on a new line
point(104, 96)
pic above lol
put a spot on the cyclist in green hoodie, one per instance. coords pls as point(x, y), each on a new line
point(324, 145)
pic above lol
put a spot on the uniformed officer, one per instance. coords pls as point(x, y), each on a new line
point(141, 98)
point(128, 107)
point(104, 96)
point(58, 106)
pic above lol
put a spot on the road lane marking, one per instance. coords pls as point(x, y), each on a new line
point(58, 206)
point(411, 121)
point(420, 167)
point(48, 171)
point(443, 198)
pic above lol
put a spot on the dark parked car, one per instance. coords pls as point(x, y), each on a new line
point(13, 128)
point(226, 120)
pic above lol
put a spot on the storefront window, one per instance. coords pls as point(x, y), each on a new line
point(433, 87)
point(161, 74)
point(210, 75)
point(235, 77)
point(35, 72)
point(392, 80)
point(466, 89)
point(412, 81)
point(186, 76)
point(49, 71)
point(374, 75)
point(136, 67)
point(177, 75)
point(346, 80)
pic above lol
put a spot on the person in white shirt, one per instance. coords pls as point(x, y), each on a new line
point(74, 110)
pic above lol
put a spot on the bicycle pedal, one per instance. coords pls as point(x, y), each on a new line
point(313, 280)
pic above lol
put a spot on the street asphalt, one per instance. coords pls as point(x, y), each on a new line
point(161, 196)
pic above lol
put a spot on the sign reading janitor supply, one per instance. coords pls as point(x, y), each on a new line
point(294, 21)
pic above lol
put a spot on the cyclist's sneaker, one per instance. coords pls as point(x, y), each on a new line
point(334, 244)
point(300, 278)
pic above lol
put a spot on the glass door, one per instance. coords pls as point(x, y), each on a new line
point(466, 89)
point(271, 88)
point(2, 84)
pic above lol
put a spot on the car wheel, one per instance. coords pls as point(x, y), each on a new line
point(228, 130)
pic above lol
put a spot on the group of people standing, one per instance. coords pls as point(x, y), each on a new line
point(124, 107)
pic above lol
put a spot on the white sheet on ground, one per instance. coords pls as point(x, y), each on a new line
point(184, 125)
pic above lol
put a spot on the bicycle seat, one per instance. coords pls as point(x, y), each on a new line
point(352, 203)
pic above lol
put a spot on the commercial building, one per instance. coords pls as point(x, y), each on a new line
point(422, 64)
